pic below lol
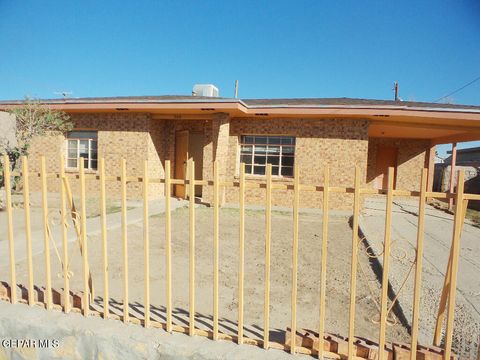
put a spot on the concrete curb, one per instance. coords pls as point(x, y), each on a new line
point(94, 338)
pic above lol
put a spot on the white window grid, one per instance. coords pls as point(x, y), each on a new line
point(281, 154)
point(77, 158)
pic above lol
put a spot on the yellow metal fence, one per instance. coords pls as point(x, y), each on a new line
point(324, 347)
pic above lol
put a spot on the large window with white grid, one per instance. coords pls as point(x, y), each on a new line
point(258, 151)
point(81, 144)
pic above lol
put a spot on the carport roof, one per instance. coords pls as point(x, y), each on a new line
point(353, 102)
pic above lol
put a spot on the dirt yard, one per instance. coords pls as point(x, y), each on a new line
point(338, 276)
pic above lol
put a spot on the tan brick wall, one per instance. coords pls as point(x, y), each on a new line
point(157, 142)
point(412, 156)
point(339, 143)
point(217, 133)
point(132, 136)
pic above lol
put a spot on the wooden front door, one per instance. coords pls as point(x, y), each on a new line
point(181, 157)
point(386, 157)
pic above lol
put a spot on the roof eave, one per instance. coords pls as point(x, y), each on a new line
point(370, 107)
point(240, 108)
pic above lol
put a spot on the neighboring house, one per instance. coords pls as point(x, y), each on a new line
point(467, 160)
point(308, 133)
point(470, 156)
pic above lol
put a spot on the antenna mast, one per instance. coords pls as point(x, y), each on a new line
point(395, 89)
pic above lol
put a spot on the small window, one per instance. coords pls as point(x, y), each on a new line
point(258, 151)
point(82, 144)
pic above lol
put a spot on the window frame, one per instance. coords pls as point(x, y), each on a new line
point(281, 154)
point(89, 149)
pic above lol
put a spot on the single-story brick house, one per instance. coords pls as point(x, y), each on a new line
point(309, 133)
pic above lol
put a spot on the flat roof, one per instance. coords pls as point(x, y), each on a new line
point(126, 99)
point(260, 103)
point(467, 150)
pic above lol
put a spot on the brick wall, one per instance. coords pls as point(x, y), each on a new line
point(339, 143)
point(132, 136)
point(156, 152)
point(217, 133)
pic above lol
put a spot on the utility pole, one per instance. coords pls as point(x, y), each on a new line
point(395, 88)
point(236, 89)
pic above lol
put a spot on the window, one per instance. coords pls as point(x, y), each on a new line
point(82, 144)
point(258, 151)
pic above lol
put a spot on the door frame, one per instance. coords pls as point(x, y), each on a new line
point(380, 179)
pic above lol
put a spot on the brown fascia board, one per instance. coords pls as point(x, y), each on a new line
point(219, 105)
point(240, 108)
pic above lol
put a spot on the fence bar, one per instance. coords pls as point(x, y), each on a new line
point(146, 245)
point(418, 263)
point(63, 214)
point(191, 209)
point(76, 219)
point(28, 228)
point(446, 284)
point(123, 176)
point(455, 252)
point(241, 257)
point(354, 264)
point(268, 239)
point(103, 220)
point(386, 263)
point(437, 337)
point(323, 271)
point(296, 201)
point(478, 351)
point(11, 240)
point(168, 245)
point(471, 196)
point(83, 232)
point(46, 235)
point(216, 194)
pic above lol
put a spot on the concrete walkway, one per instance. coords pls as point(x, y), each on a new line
point(134, 215)
point(438, 238)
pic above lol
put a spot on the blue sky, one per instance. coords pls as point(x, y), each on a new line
point(274, 48)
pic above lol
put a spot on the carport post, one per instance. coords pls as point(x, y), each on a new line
point(452, 174)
